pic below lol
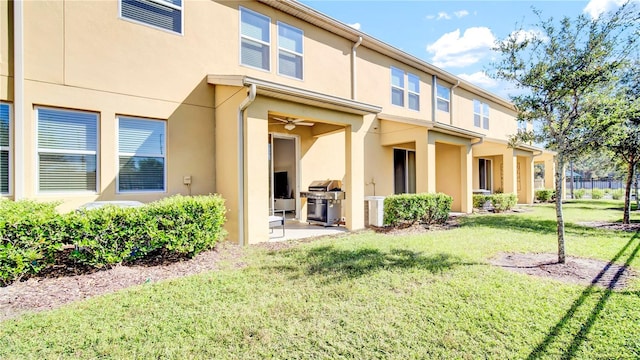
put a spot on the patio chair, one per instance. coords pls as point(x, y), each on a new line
point(276, 220)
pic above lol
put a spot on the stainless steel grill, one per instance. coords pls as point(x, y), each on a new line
point(324, 202)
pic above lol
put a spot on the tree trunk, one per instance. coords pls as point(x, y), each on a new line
point(559, 217)
point(627, 193)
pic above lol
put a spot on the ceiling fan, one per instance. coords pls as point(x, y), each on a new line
point(290, 124)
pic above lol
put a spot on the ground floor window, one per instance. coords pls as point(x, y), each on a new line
point(67, 150)
point(141, 154)
point(5, 123)
point(404, 171)
point(485, 174)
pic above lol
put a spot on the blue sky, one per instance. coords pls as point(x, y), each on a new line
point(456, 36)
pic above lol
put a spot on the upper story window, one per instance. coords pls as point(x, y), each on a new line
point(141, 154)
point(255, 39)
point(67, 150)
point(5, 146)
point(163, 14)
point(290, 51)
point(414, 92)
point(443, 95)
point(480, 114)
point(397, 86)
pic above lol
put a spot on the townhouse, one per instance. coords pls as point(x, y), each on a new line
point(254, 100)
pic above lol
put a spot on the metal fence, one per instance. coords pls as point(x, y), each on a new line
point(589, 184)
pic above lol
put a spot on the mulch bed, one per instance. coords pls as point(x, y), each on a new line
point(575, 270)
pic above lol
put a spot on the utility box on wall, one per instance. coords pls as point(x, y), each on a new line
point(376, 210)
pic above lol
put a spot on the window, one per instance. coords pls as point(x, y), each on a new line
point(255, 38)
point(397, 86)
point(5, 128)
point(404, 171)
point(443, 95)
point(414, 92)
point(480, 114)
point(289, 51)
point(67, 150)
point(485, 172)
point(141, 154)
point(163, 14)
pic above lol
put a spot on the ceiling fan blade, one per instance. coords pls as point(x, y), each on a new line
point(305, 123)
point(279, 119)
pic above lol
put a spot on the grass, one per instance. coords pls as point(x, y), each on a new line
point(366, 295)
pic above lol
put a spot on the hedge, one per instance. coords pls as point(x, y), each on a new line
point(499, 202)
point(545, 195)
point(177, 225)
point(417, 208)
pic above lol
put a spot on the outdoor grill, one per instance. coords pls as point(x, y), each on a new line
point(324, 202)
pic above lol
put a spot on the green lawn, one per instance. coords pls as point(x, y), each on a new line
point(365, 296)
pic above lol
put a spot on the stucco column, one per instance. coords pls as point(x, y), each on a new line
point(509, 172)
point(466, 183)
point(528, 180)
point(354, 179)
point(431, 164)
point(549, 172)
point(422, 163)
point(256, 180)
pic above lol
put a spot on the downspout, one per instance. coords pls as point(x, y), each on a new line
point(353, 67)
point(18, 100)
point(251, 96)
point(451, 102)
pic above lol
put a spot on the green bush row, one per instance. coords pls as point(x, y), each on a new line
point(499, 202)
point(545, 195)
point(417, 208)
point(31, 233)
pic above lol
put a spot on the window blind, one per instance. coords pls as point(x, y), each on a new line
point(154, 13)
point(4, 148)
point(142, 148)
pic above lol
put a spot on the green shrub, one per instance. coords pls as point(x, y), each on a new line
point(29, 238)
point(503, 202)
point(597, 194)
point(179, 225)
point(579, 193)
point(545, 195)
point(412, 208)
point(480, 200)
point(617, 194)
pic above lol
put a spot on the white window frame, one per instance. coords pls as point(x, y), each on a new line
point(393, 68)
point(260, 41)
point(407, 171)
point(488, 174)
point(40, 150)
point(439, 98)
point(409, 92)
point(8, 150)
point(162, 3)
point(118, 154)
point(484, 115)
point(291, 52)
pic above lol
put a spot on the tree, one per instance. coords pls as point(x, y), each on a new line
point(562, 69)
point(624, 137)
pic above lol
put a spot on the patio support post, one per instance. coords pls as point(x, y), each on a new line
point(466, 193)
point(354, 179)
point(509, 172)
point(422, 163)
point(431, 164)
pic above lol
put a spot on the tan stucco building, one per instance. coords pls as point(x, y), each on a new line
point(143, 99)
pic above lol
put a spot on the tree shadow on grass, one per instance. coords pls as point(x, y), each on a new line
point(333, 264)
point(592, 290)
point(524, 224)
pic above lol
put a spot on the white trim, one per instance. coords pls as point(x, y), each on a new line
point(443, 99)
point(296, 140)
point(397, 87)
point(409, 92)
point(118, 154)
point(260, 41)
point(40, 150)
point(162, 3)
point(481, 114)
point(294, 53)
point(10, 151)
point(406, 169)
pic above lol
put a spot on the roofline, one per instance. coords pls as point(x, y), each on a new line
point(339, 28)
point(272, 89)
point(433, 126)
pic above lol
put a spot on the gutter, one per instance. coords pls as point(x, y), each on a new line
point(478, 143)
point(251, 96)
point(353, 67)
point(18, 100)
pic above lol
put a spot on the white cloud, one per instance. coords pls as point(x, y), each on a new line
point(453, 50)
point(480, 79)
point(355, 26)
point(443, 16)
point(595, 8)
point(461, 13)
